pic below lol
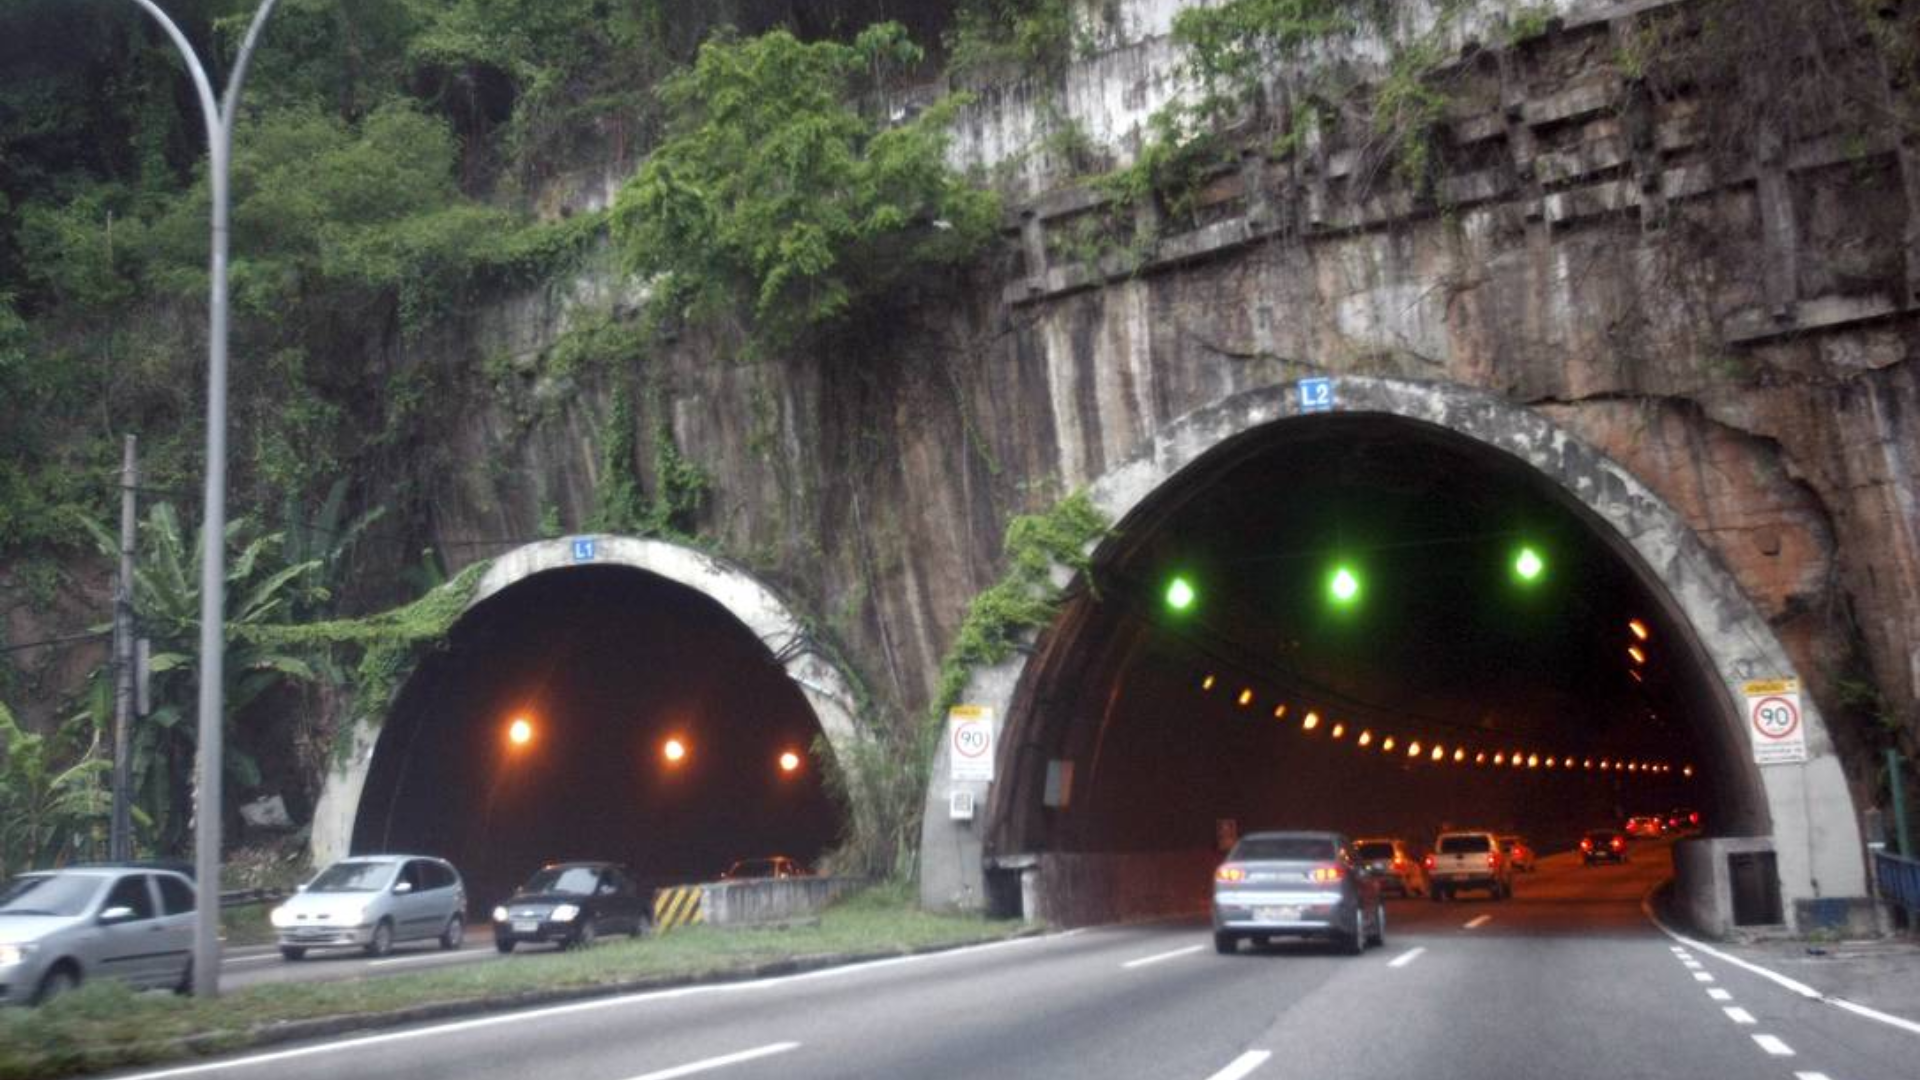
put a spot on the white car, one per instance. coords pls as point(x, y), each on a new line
point(372, 901)
point(59, 928)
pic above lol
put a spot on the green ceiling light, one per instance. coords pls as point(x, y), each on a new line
point(1528, 566)
point(1180, 594)
point(1344, 585)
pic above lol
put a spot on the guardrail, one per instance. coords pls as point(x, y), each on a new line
point(242, 897)
point(1899, 883)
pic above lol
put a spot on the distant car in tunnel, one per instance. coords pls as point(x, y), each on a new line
point(1648, 826)
point(1603, 845)
point(571, 905)
point(373, 902)
point(1297, 884)
point(1683, 819)
point(1519, 853)
point(772, 866)
point(1402, 871)
point(1469, 860)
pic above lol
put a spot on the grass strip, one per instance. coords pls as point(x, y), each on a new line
point(105, 1025)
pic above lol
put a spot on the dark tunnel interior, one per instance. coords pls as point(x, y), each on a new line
point(605, 664)
point(1159, 724)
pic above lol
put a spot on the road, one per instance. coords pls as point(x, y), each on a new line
point(1568, 980)
point(257, 965)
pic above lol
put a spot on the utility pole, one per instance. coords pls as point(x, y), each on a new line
point(120, 834)
point(219, 117)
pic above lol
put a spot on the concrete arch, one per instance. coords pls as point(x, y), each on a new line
point(1803, 813)
point(761, 611)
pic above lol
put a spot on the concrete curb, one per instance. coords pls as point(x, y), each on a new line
point(207, 1044)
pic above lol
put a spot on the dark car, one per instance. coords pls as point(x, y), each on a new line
point(771, 866)
point(1603, 845)
point(1297, 884)
point(571, 905)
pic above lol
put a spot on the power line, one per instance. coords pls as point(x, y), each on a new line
point(49, 642)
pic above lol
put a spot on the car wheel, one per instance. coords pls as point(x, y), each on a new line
point(504, 945)
point(58, 981)
point(382, 942)
point(455, 933)
point(584, 937)
point(1356, 943)
point(1379, 935)
point(293, 952)
point(1224, 943)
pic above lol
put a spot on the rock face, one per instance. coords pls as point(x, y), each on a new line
point(1740, 334)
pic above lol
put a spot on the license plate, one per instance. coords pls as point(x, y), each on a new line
point(526, 926)
point(1277, 914)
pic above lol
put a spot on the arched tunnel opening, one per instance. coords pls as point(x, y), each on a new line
point(1357, 622)
point(604, 665)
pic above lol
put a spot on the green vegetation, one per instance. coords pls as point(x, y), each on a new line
point(1032, 35)
point(44, 805)
point(104, 1026)
point(772, 195)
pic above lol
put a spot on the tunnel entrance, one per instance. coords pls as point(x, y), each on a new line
point(647, 705)
point(1420, 610)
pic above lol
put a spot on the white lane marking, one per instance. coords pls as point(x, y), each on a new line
point(1718, 994)
point(1703, 976)
point(470, 954)
point(1477, 921)
point(1407, 957)
point(1243, 1065)
point(1677, 950)
point(1739, 1015)
point(1693, 965)
point(1809, 1076)
point(590, 1005)
point(1157, 957)
point(1796, 986)
point(1772, 1045)
point(720, 1062)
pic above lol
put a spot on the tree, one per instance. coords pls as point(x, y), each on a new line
point(47, 808)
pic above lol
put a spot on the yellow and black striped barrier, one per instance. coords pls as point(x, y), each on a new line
point(677, 906)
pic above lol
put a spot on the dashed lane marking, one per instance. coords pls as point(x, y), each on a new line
point(1809, 1076)
point(720, 1062)
point(1718, 994)
point(1407, 957)
point(1772, 1045)
point(1739, 1015)
point(1157, 957)
point(1694, 965)
point(1243, 1065)
point(1703, 976)
point(1477, 921)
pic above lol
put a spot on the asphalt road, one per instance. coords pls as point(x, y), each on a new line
point(257, 965)
point(1567, 980)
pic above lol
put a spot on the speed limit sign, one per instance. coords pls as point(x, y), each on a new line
point(1774, 721)
point(970, 742)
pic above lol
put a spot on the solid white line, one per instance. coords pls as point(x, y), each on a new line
point(720, 1062)
point(1476, 921)
point(1772, 1045)
point(1794, 985)
point(1703, 976)
point(1739, 1015)
point(1243, 1065)
point(590, 1005)
point(1407, 957)
point(1145, 960)
point(470, 954)
point(1718, 994)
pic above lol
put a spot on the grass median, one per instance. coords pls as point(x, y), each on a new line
point(105, 1025)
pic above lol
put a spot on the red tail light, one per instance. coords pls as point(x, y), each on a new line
point(1586, 845)
point(1694, 818)
point(1618, 843)
point(1327, 875)
point(1427, 862)
point(1398, 862)
point(1230, 872)
point(1493, 860)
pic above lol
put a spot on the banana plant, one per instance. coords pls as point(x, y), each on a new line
point(50, 811)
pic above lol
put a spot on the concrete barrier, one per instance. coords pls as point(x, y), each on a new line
point(1087, 888)
point(758, 902)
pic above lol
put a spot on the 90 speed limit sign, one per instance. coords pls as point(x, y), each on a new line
point(970, 742)
point(1774, 721)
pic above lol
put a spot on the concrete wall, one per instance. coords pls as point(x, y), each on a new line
point(1088, 888)
point(776, 900)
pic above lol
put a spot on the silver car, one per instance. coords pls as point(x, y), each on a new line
point(59, 928)
point(1296, 884)
point(372, 901)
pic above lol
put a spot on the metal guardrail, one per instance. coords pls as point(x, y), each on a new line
point(243, 897)
point(1899, 879)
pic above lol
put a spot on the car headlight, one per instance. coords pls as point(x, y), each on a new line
point(565, 912)
point(13, 954)
point(280, 917)
point(499, 914)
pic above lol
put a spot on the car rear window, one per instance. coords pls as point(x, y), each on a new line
point(1377, 850)
point(1285, 847)
point(1462, 845)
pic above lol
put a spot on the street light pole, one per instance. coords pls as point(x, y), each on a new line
point(206, 856)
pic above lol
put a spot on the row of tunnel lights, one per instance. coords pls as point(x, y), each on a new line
point(674, 750)
point(1460, 755)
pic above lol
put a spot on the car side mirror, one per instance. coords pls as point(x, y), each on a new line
point(403, 888)
point(119, 913)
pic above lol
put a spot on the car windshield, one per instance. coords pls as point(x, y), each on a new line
point(1377, 849)
point(49, 894)
point(354, 877)
point(1285, 847)
point(572, 880)
point(1462, 845)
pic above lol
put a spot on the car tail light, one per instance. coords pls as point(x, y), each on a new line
point(1618, 843)
point(1398, 862)
point(1586, 845)
point(1427, 862)
point(1230, 873)
point(1493, 859)
point(1693, 818)
point(1327, 875)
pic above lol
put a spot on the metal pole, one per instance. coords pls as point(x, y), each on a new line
point(120, 833)
point(207, 794)
point(1896, 783)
